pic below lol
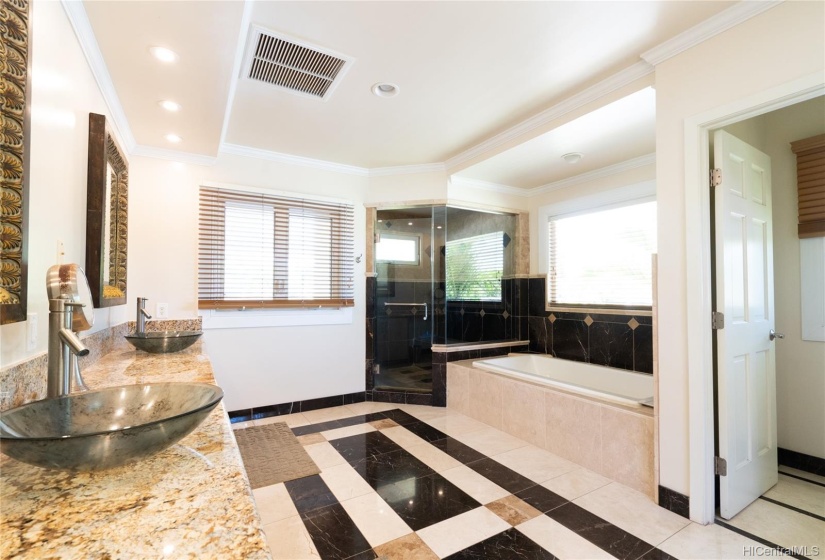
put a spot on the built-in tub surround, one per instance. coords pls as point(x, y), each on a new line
point(608, 438)
point(190, 500)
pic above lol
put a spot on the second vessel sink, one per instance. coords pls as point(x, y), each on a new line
point(163, 342)
point(102, 429)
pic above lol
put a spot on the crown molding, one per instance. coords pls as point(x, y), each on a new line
point(88, 43)
point(724, 20)
point(240, 48)
point(277, 157)
point(173, 155)
point(627, 165)
point(618, 80)
point(407, 169)
point(470, 183)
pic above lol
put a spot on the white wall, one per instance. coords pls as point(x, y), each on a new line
point(780, 45)
point(64, 92)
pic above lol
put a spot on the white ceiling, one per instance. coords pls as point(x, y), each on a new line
point(466, 70)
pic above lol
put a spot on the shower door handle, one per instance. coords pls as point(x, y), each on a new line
point(388, 304)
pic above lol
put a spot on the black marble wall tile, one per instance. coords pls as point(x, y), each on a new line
point(570, 340)
point(523, 329)
point(369, 351)
point(493, 327)
point(423, 399)
point(370, 296)
point(439, 395)
point(541, 335)
point(323, 402)
point(273, 410)
point(643, 349)
point(472, 327)
point(674, 501)
point(388, 396)
point(536, 297)
point(242, 415)
point(369, 377)
point(357, 397)
point(801, 461)
point(522, 297)
point(440, 358)
point(611, 344)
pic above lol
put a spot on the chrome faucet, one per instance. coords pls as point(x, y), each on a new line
point(64, 347)
point(142, 316)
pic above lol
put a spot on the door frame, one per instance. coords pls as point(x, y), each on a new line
point(698, 287)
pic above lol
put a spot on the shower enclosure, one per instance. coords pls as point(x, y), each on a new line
point(444, 275)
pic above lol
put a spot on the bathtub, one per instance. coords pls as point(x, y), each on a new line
point(610, 384)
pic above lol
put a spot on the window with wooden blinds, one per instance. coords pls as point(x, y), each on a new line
point(265, 250)
point(810, 181)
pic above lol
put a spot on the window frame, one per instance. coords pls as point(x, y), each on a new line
point(629, 195)
point(480, 302)
point(413, 236)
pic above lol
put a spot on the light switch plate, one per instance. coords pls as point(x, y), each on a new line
point(162, 311)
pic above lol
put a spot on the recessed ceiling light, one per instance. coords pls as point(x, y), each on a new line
point(409, 223)
point(163, 54)
point(572, 157)
point(170, 106)
point(384, 89)
point(174, 138)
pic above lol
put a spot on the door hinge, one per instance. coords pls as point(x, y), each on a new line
point(720, 466)
point(717, 320)
point(715, 177)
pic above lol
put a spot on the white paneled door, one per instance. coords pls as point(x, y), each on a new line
point(746, 360)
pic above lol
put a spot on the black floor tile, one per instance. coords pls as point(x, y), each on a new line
point(309, 493)
point(400, 417)
point(362, 446)
point(422, 502)
point(541, 498)
point(657, 554)
point(392, 467)
point(457, 450)
point(505, 477)
point(335, 534)
point(511, 544)
point(606, 536)
point(366, 555)
point(332, 424)
point(426, 432)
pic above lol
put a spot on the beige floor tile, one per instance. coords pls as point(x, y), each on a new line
point(432, 457)
point(703, 542)
point(536, 464)
point(375, 519)
point(288, 539)
point(803, 474)
point(456, 424)
point(327, 414)
point(347, 431)
point(490, 441)
point(273, 503)
point(292, 420)
point(309, 439)
point(576, 483)
point(324, 455)
point(344, 482)
point(408, 547)
point(402, 436)
point(368, 407)
point(633, 511)
point(800, 494)
point(424, 412)
point(513, 510)
point(560, 541)
point(780, 525)
point(383, 424)
point(478, 487)
point(461, 531)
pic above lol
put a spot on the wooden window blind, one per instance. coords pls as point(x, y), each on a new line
point(602, 258)
point(810, 182)
point(263, 250)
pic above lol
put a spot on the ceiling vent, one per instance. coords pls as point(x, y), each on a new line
point(293, 65)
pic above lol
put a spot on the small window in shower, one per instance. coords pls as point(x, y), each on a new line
point(474, 267)
point(398, 249)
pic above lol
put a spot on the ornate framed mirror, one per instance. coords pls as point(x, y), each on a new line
point(106, 215)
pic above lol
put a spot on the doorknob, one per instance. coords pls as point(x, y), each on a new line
point(774, 335)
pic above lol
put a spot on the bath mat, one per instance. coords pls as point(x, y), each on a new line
point(272, 454)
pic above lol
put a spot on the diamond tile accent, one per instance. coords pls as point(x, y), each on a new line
point(389, 311)
point(552, 318)
point(482, 313)
point(505, 314)
point(428, 251)
point(633, 323)
point(588, 320)
point(462, 311)
point(507, 240)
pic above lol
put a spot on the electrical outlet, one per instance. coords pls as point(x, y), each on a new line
point(31, 331)
point(162, 311)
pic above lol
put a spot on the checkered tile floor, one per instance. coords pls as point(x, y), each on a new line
point(410, 482)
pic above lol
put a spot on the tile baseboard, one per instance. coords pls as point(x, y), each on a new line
point(674, 501)
point(801, 461)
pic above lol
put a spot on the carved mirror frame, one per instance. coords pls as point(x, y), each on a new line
point(106, 215)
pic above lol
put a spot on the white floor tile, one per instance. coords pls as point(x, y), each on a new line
point(375, 519)
point(536, 464)
point(424, 412)
point(800, 494)
point(560, 541)
point(288, 539)
point(703, 542)
point(243, 425)
point(327, 414)
point(403, 437)
point(478, 487)
point(324, 455)
point(344, 482)
point(456, 424)
point(368, 407)
point(433, 457)
point(576, 483)
point(633, 511)
point(803, 474)
point(273, 503)
point(291, 420)
point(347, 431)
point(780, 525)
point(461, 531)
point(491, 441)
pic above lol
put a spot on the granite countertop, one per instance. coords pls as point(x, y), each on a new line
point(192, 500)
